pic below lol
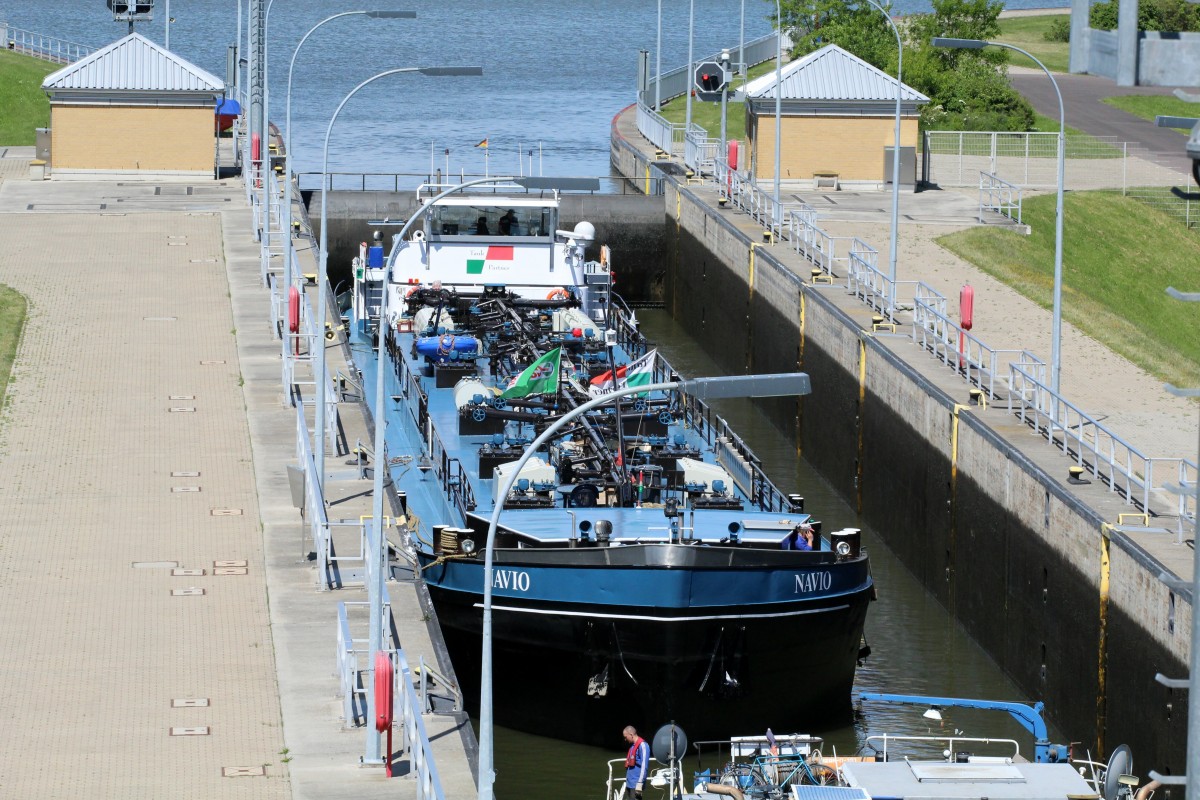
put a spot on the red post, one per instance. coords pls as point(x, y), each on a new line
point(966, 315)
point(383, 701)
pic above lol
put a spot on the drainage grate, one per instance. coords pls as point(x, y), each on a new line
point(187, 573)
point(190, 702)
point(182, 409)
point(159, 319)
point(181, 489)
point(226, 512)
point(241, 563)
point(193, 591)
point(210, 363)
point(203, 260)
point(155, 564)
point(230, 570)
point(202, 731)
point(185, 474)
point(243, 772)
point(182, 397)
point(177, 244)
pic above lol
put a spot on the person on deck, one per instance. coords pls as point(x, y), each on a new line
point(801, 538)
point(637, 763)
point(506, 223)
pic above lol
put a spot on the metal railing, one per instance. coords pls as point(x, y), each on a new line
point(999, 196)
point(996, 371)
point(314, 504)
point(401, 182)
point(407, 708)
point(47, 48)
point(700, 150)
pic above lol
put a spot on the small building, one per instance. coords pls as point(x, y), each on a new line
point(132, 108)
point(838, 122)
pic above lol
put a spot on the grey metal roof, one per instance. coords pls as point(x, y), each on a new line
point(832, 74)
point(133, 64)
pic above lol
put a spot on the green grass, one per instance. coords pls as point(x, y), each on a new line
point(1027, 34)
point(1150, 106)
point(25, 106)
point(1118, 258)
point(12, 322)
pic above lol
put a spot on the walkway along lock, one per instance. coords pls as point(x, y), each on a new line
point(383, 702)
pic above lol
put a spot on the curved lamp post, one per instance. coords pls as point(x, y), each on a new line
point(319, 433)
point(1056, 325)
point(784, 384)
point(778, 215)
point(895, 157)
point(287, 199)
point(372, 747)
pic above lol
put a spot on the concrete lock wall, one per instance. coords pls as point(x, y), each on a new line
point(1070, 610)
point(1161, 57)
point(631, 225)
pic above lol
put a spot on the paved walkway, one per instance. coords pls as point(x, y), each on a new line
point(144, 298)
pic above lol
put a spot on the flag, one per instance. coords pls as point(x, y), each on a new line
point(641, 371)
point(482, 144)
point(604, 383)
point(540, 377)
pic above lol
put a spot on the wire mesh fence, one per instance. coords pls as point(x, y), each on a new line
point(1030, 161)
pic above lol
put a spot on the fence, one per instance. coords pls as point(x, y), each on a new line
point(1015, 376)
point(47, 48)
point(1030, 161)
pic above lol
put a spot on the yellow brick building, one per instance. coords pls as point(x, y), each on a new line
point(837, 122)
point(132, 108)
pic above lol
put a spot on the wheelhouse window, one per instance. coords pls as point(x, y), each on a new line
point(491, 222)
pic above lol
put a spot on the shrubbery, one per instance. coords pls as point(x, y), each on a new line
point(1153, 15)
point(1060, 30)
point(968, 89)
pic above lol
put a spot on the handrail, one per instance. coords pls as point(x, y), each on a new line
point(948, 742)
point(416, 739)
point(996, 195)
point(47, 48)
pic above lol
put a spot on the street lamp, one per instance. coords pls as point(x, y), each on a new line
point(778, 215)
point(371, 755)
point(1056, 325)
point(319, 434)
point(375, 593)
point(658, 63)
point(287, 203)
point(895, 157)
point(784, 384)
point(687, 123)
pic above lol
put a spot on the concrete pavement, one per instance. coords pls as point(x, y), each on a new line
point(152, 559)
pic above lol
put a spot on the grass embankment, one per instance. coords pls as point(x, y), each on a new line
point(1118, 258)
point(12, 322)
point(1149, 106)
point(1029, 33)
point(25, 105)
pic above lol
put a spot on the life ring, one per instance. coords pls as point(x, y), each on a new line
point(559, 294)
point(411, 292)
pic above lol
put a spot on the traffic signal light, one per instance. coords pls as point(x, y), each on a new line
point(709, 80)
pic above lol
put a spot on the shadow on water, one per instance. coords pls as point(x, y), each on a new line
point(917, 647)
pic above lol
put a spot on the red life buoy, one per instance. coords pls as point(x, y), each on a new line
point(293, 310)
point(558, 294)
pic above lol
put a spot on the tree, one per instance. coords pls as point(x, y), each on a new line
point(968, 89)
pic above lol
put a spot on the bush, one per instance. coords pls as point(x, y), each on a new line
point(1153, 15)
point(1060, 30)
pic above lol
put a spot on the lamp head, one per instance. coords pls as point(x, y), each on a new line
point(391, 14)
point(933, 713)
point(965, 44)
point(443, 72)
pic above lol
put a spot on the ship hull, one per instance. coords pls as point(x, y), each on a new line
point(582, 672)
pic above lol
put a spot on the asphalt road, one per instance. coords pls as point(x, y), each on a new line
point(1082, 96)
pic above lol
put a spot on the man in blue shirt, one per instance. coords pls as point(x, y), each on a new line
point(637, 762)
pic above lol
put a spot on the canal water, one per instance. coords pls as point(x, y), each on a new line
point(917, 648)
point(555, 73)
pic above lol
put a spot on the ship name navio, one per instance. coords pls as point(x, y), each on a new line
point(809, 582)
point(516, 580)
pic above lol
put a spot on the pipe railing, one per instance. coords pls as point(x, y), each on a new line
point(999, 196)
point(47, 48)
point(314, 504)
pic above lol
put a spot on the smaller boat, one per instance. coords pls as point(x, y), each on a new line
point(227, 112)
point(894, 766)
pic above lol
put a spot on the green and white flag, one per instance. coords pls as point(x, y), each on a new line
point(540, 377)
point(640, 371)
